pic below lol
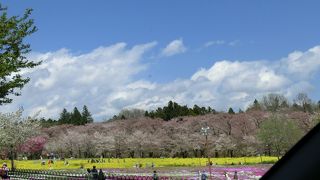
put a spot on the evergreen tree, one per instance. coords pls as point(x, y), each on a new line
point(169, 111)
point(146, 114)
point(65, 117)
point(173, 110)
point(86, 115)
point(196, 110)
point(256, 105)
point(76, 117)
point(230, 111)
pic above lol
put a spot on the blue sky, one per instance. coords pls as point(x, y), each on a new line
point(180, 40)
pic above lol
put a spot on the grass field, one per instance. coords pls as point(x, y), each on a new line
point(145, 162)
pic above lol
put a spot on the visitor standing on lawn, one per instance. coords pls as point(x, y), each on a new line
point(94, 173)
point(155, 175)
point(101, 175)
point(4, 171)
point(204, 175)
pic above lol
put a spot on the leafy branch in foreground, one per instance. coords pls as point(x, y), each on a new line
point(13, 31)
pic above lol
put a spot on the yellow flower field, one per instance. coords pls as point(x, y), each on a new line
point(144, 162)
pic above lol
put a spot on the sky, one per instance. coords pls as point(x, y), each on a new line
point(113, 55)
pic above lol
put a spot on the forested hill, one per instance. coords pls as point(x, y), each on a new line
point(269, 103)
point(269, 127)
point(243, 134)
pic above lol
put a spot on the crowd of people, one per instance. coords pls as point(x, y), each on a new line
point(95, 174)
point(100, 175)
point(204, 176)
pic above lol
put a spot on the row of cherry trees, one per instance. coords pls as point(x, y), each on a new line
point(269, 126)
point(244, 134)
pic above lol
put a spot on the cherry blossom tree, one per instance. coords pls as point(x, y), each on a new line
point(15, 130)
point(33, 146)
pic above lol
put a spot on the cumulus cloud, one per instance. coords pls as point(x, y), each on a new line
point(104, 80)
point(303, 64)
point(235, 83)
point(67, 80)
point(250, 76)
point(173, 48)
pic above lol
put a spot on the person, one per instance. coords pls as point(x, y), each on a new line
point(101, 175)
point(4, 172)
point(155, 175)
point(88, 170)
point(94, 173)
point(66, 163)
point(226, 176)
point(235, 176)
point(49, 163)
point(203, 175)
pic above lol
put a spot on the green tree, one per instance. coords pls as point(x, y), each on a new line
point(173, 110)
point(13, 32)
point(65, 117)
point(196, 110)
point(279, 134)
point(76, 117)
point(86, 115)
point(255, 106)
point(230, 111)
point(48, 122)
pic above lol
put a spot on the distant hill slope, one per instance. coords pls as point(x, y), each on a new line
point(229, 135)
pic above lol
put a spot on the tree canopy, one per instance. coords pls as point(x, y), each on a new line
point(15, 129)
point(173, 110)
point(279, 133)
point(13, 31)
point(74, 117)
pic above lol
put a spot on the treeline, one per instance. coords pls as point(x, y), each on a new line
point(75, 118)
point(276, 102)
point(270, 103)
point(173, 110)
point(269, 126)
point(251, 133)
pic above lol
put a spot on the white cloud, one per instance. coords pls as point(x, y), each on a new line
point(173, 48)
point(67, 80)
point(303, 64)
point(221, 42)
point(233, 83)
point(104, 79)
point(212, 43)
